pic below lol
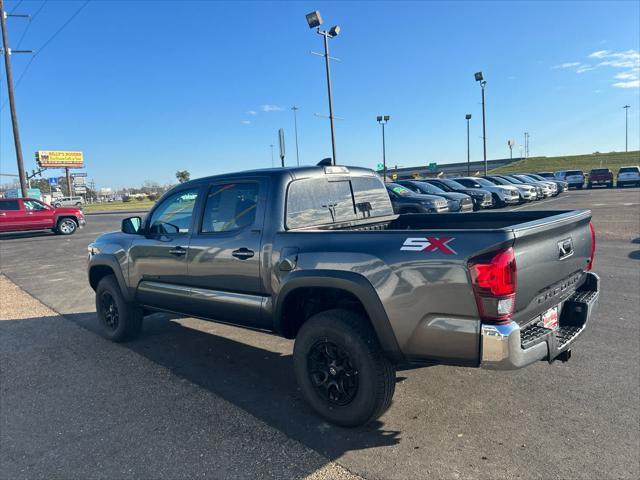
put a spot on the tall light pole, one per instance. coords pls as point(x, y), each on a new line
point(315, 20)
point(483, 83)
point(382, 120)
point(295, 127)
point(271, 155)
point(468, 118)
point(626, 128)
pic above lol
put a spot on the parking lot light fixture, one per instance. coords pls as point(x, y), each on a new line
point(382, 120)
point(314, 20)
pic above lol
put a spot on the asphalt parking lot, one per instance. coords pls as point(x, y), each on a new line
point(193, 398)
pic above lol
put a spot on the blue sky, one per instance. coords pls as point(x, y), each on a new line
point(146, 88)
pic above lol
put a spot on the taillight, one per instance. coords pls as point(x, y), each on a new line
point(493, 276)
point(593, 247)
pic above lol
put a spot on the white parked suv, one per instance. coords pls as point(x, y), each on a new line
point(67, 202)
point(628, 176)
point(575, 178)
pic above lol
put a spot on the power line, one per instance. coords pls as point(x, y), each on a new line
point(45, 44)
point(16, 7)
point(29, 24)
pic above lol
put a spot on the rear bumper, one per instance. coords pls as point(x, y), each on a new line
point(508, 346)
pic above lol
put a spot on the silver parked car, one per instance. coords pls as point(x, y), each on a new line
point(68, 202)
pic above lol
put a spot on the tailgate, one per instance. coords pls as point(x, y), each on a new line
point(550, 258)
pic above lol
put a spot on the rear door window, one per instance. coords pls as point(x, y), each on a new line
point(230, 206)
point(9, 205)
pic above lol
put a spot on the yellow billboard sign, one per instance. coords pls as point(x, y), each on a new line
point(52, 159)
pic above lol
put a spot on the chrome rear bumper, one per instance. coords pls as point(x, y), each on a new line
point(508, 347)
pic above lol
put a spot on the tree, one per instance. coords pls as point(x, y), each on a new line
point(183, 176)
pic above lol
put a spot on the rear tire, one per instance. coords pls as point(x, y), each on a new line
point(580, 187)
point(119, 320)
point(66, 226)
point(589, 186)
point(341, 370)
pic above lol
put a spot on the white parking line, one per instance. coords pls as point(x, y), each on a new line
point(541, 202)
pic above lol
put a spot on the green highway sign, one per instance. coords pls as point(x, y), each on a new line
point(433, 167)
point(380, 166)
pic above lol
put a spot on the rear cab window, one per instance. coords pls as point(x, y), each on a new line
point(325, 200)
point(629, 170)
point(599, 171)
point(574, 172)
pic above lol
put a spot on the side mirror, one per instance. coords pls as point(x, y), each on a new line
point(131, 225)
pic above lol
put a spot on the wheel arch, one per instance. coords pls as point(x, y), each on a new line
point(102, 265)
point(349, 285)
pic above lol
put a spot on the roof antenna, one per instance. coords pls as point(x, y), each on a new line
point(325, 162)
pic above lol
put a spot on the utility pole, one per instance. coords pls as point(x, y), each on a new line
point(526, 144)
point(295, 127)
point(626, 128)
point(12, 102)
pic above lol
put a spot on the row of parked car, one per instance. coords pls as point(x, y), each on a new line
point(627, 176)
point(466, 194)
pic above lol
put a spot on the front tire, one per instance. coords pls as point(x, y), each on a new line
point(119, 320)
point(66, 226)
point(341, 370)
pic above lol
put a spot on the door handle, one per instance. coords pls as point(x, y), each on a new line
point(178, 251)
point(243, 253)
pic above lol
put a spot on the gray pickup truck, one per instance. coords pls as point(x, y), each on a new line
point(317, 254)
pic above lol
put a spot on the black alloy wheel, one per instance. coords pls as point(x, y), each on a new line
point(109, 311)
point(332, 373)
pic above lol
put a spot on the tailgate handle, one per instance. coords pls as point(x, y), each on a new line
point(565, 248)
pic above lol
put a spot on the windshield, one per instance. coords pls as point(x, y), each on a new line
point(599, 171)
point(425, 187)
point(452, 184)
point(629, 170)
point(527, 178)
point(535, 177)
point(484, 182)
point(399, 190)
point(513, 179)
point(498, 181)
point(546, 174)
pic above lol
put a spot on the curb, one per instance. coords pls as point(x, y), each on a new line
point(112, 212)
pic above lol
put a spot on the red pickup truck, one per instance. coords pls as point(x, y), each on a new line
point(21, 214)
point(600, 176)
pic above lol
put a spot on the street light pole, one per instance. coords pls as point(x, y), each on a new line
point(484, 128)
point(295, 127)
point(326, 62)
point(626, 128)
point(271, 155)
point(468, 118)
point(314, 20)
point(382, 120)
